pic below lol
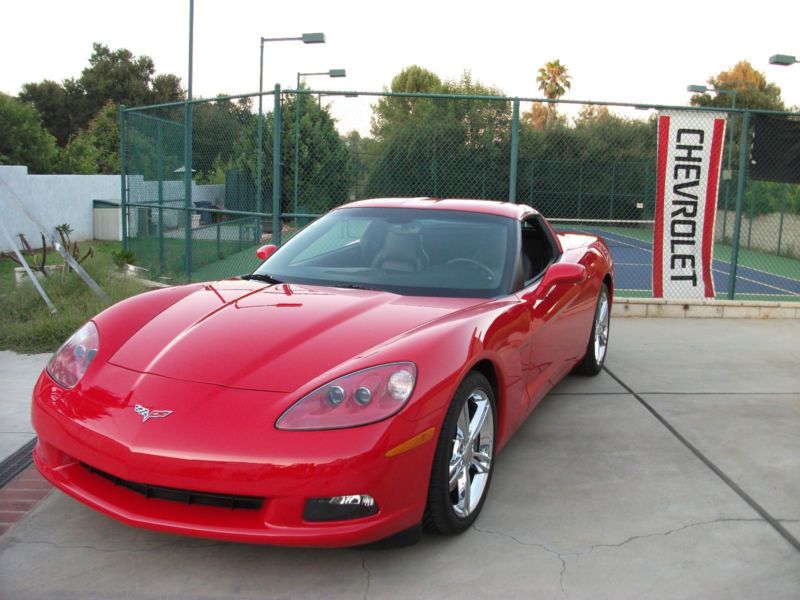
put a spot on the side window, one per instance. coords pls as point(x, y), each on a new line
point(537, 249)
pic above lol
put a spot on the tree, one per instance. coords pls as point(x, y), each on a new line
point(112, 76)
point(540, 114)
point(592, 113)
point(216, 127)
point(439, 146)
point(96, 148)
point(24, 140)
point(325, 175)
point(553, 81)
point(57, 103)
point(393, 109)
point(752, 89)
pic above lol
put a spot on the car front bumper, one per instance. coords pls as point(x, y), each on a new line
point(222, 442)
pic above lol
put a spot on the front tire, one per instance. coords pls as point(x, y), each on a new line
point(464, 460)
point(597, 348)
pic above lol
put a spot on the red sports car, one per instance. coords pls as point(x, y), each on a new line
point(358, 384)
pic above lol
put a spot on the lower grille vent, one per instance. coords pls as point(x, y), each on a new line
point(183, 496)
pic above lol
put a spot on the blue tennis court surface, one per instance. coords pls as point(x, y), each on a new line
point(633, 266)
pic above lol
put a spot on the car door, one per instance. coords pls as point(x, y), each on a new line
point(550, 311)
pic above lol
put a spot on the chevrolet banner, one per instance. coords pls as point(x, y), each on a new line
point(689, 155)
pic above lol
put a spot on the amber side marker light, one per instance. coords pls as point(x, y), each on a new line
point(412, 443)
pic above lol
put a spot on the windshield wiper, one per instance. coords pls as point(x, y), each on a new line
point(353, 286)
point(261, 277)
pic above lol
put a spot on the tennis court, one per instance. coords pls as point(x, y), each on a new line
point(759, 276)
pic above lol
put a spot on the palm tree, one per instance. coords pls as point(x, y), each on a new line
point(553, 82)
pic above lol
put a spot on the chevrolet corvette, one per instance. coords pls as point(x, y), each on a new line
point(358, 385)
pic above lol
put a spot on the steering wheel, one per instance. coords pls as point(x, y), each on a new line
point(473, 263)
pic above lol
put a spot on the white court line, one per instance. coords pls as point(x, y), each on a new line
point(739, 276)
point(741, 266)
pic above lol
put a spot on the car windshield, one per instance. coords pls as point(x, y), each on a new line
point(419, 252)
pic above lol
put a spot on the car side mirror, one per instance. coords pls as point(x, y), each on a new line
point(563, 273)
point(266, 251)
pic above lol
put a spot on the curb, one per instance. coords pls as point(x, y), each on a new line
point(703, 309)
point(20, 496)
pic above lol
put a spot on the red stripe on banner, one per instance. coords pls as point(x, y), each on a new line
point(711, 205)
point(658, 233)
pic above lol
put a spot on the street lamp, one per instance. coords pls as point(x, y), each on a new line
point(783, 59)
point(702, 89)
point(306, 38)
point(298, 104)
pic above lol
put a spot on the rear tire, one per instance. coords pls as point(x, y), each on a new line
point(597, 348)
point(464, 460)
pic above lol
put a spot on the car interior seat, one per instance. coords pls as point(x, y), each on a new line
point(402, 251)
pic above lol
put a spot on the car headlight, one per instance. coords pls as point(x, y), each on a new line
point(73, 358)
point(359, 398)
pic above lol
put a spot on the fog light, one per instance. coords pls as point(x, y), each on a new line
point(339, 508)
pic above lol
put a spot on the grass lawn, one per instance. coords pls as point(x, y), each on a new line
point(26, 324)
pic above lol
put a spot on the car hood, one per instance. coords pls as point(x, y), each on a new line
point(273, 338)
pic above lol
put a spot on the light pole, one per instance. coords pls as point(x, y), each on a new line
point(306, 38)
point(783, 60)
point(297, 105)
point(702, 89)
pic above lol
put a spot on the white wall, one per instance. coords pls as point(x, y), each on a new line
point(57, 199)
point(53, 200)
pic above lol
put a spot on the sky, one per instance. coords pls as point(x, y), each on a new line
point(615, 50)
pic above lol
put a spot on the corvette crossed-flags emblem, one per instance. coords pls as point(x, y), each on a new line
point(150, 414)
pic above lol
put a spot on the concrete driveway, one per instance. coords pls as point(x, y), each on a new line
point(677, 477)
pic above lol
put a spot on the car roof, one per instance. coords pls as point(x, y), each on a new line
point(488, 207)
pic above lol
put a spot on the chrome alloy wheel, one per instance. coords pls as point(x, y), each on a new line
point(471, 459)
point(601, 326)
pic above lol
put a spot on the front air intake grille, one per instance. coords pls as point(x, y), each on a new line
point(183, 496)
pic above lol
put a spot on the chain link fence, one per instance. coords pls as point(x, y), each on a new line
point(258, 177)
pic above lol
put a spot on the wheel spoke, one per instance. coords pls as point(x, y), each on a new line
point(478, 419)
point(464, 481)
point(456, 467)
point(481, 461)
point(462, 426)
point(603, 313)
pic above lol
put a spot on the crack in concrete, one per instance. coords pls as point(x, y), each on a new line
point(562, 556)
point(632, 538)
point(172, 544)
point(369, 577)
point(558, 555)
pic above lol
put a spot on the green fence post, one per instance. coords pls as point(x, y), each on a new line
point(512, 175)
point(780, 225)
point(730, 175)
point(737, 224)
point(580, 188)
point(260, 151)
point(160, 167)
point(276, 168)
point(297, 108)
point(123, 206)
point(750, 213)
point(187, 190)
